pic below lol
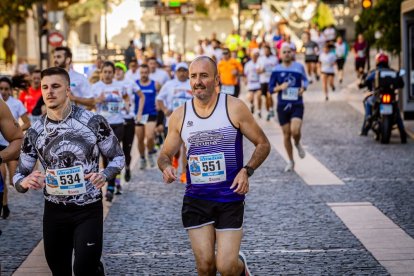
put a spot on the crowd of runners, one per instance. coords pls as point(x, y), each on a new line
point(186, 115)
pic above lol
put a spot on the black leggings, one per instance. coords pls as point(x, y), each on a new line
point(129, 133)
point(119, 133)
point(70, 227)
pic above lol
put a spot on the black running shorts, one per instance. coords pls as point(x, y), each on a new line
point(224, 216)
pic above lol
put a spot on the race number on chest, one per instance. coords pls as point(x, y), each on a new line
point(67, 181)
point(207, 168)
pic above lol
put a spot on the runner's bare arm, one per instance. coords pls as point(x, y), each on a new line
point(171, 145)
point(26, 122)
point(11, 132)
point(242, 118)
point(89, 102)
point(141, 105)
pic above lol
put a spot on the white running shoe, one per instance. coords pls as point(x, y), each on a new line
point(142, 164)
point(301, 151)
point(151, 159)
point(290, 166)
point(246, 271)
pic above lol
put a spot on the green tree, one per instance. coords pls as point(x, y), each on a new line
point(383, 17)
point(15, 11)
point(323, 16)
point(85, 11)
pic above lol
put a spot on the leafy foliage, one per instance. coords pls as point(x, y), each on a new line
point(384, 17)
point(85, 11)
point(323, 16)
point(15, 11)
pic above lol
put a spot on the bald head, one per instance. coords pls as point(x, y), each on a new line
point(208, 60)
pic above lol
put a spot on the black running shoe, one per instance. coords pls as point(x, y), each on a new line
point(6, 211)
point(127, 175)
point(109, 196)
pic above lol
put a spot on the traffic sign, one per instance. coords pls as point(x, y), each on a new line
point(184, 9)
point(55, 39)
point(148, 3)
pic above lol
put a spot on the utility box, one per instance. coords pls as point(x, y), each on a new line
point(407, 44)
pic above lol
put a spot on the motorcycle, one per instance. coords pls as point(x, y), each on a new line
point(384, 110)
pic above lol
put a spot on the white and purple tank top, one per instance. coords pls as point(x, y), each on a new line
point(214, 153)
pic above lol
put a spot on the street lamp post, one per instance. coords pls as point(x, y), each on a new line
point(239, 16)
point(106, 23)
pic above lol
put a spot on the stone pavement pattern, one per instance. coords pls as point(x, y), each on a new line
point(289, 228)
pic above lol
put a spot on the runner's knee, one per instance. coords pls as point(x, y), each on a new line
point(227, 267)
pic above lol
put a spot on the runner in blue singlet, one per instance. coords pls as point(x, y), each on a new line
point(289, 81)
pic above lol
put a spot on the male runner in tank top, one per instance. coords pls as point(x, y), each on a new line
point(212, 127)
point(145, 129)
point(13, 134)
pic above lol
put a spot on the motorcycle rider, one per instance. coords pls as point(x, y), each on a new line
point(381, 61)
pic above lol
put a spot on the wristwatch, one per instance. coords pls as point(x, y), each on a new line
point(250, 170)
point(1, 160)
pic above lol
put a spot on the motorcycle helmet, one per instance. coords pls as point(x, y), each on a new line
point(381, 58)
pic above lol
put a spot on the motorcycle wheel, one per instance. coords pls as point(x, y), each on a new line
point(386, 127)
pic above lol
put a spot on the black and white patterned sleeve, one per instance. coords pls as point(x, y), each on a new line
point(27, 160)
point(110, 148)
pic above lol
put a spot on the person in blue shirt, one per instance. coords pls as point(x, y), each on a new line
point(289, 82)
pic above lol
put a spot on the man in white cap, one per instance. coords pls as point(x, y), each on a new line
point(174, 94)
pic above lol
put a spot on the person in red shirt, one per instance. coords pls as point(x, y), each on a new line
point(360, 51)
point(30, 97)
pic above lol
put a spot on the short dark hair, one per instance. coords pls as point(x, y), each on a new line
point(6, 79)
point(109, 64)
point(145, 66)
point(133, 60)
point(55, 71)
point(38, 71)
point(68, 52)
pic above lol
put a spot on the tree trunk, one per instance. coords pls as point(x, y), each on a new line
point(16, 49)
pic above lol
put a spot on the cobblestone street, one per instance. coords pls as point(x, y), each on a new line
point(289, 227)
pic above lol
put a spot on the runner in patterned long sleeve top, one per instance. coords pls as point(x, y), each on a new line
point(68, 141)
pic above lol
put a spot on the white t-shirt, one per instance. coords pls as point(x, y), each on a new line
point(330, 33)
point(267, 63)
point(218, 53)
point(160, 76)
point(340, 50)
point(132, 76)
point(253, 79)
point(17, 109)
point(321, 40)
point(113, 105)
point(327, 61)
point(79, 85)
point(131, 88)
point(174, 94)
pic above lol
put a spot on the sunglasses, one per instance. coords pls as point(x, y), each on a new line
point(226, 53)
point(287, 52)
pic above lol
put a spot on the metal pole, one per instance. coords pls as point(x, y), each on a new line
point(238, 16)
point(162, 39)
point(106, 23)
point(167, 22)
point(184, 33)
